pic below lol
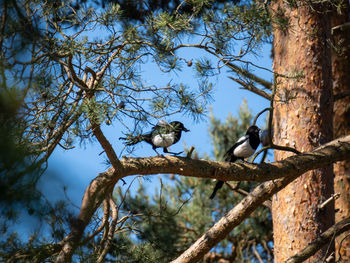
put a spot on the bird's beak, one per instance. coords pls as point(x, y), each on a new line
point(186, 130)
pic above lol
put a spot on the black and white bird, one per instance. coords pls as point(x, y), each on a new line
point(162, 135)
point(243, 148)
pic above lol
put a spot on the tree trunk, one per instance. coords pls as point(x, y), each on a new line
point(341, 86)
point(302, 119)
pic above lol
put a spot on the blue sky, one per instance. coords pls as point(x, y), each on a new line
point(76, 168)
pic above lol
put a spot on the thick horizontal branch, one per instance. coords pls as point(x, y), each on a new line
point(287, 169)
point(322, 240)
point(256, 198)
point(325, 155)
point(259, 195)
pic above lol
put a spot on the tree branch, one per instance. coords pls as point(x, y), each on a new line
point(259, 114)
point(324, 239)
point(36, 255)
point(252, 88)
point(240, 212)
point(267, 203)
point(73, 76)
point(322, 156)
point(343, 27)
point(247, 74)
point(232, 219)
point(288, 169)
point(96, 192)
point(107, 147)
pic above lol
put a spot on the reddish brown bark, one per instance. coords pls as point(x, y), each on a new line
point(341, 85)
point(302, 119)
point(323, 239)
point(248, 204)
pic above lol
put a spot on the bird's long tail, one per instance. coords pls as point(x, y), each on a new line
point(132, 140)
point(218, 185)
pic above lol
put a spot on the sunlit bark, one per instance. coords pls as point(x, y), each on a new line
point(302, 119)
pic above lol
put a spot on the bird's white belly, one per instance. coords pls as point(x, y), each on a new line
point(244, 150)
point(164, 140)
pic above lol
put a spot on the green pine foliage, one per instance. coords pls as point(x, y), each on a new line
point(49, 49)
point(178, 213)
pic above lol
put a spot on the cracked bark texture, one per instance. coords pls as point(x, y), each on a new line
point(303, 120)
point(341, 121)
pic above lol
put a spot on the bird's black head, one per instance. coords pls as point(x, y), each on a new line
point(178, 126)
point(253, 130)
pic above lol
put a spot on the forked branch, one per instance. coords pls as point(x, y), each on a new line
point(287, 170)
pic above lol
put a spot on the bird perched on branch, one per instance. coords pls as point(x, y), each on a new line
point(243, 148)
point(163, 135)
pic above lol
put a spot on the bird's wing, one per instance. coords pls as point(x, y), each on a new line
point(162, 127)
point(229, 157)
point(160, 124)
point(147, 137)
point(155, 128)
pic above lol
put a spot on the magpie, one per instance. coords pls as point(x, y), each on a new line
point(243, 148)
point(163, 135)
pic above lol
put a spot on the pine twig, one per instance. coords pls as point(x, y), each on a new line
point(252, 88)
point(247, 74)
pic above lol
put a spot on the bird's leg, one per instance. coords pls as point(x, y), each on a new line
point(155, 149)
point(165, 150)
point(244, 161)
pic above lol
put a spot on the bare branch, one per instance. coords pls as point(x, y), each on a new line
point(267, 203)
point(103, 223)
point(288, 169)
point(322, 156)
point(234, 217)
point(96, 192)
point(343, 27)
point(256, 253)
point(78, 81)
point(247, 74)
point(252, 88)
point(107, 243)
point(258, 115)
point(107, 147)
point(325, 203)
point(324, 239)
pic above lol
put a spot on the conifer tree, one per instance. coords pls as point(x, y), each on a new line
point(63, 82)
